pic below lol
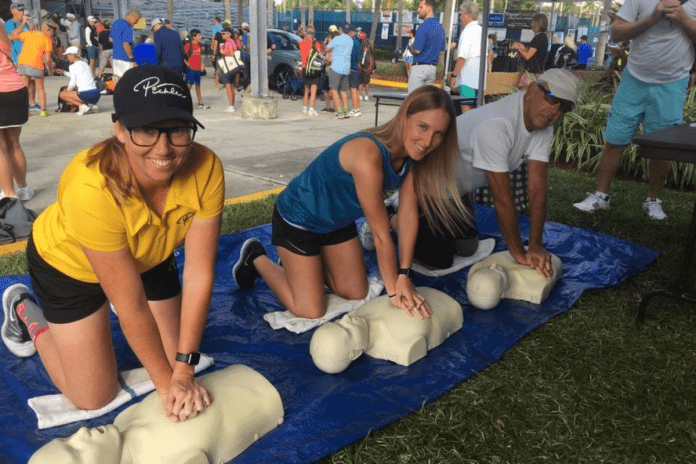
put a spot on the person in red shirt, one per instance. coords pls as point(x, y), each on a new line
point(195, 66)
point(311, 80)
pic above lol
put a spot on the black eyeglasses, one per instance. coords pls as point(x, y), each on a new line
point(178, 136)
point(566, 105)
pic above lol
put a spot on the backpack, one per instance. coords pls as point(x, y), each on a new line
point(64, 107)
point(366, 63)
point(315, 62)
point(15, 220)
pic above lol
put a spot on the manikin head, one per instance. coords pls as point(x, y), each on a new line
point(100, 444)
point(487, 286)
point(335, 345)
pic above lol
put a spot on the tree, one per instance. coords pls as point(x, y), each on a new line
point(375, 17)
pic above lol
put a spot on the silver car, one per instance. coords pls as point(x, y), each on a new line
point(285, 58)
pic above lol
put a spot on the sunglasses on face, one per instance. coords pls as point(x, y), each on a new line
point(565, 105)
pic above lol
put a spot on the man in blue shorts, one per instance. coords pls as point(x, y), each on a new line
point(652, 90)
point(426, 48)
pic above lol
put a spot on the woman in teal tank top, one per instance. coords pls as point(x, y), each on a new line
point(314, 219)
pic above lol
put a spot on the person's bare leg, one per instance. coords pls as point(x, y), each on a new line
point(39, 81)
point(18, 162)
point(336, 100)
point(29, 84)
point(71, 97)
point(659, 170)
point(6, 182)
point(344, 269)
point(305, 97)
point(608, 165)
point(199, 96)
point(229, 88)
point(344, 98)
point(79, 358)
point(355, 98)
point(312, 95)
point(298, 284)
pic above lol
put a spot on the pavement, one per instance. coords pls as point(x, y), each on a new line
point(257, 155)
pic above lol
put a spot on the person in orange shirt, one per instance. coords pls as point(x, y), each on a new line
point(35, 56)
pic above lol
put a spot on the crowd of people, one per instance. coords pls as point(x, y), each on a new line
point(109, 239)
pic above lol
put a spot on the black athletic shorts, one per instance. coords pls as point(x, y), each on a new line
point(14, 108)
point(64, 299)
point(303, 242)
point(437, 249)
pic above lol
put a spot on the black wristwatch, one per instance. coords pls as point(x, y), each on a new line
point(191, 358)
point(408, 272)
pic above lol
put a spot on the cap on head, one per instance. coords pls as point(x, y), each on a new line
point(149, 94)
point(245, 25)
point(70, 16)
point(562, 83)
point(72, 51)
point(17, 6)
point(333, 28)
point(91, 19)
point(347, 27)
point(227, 30)
point(157, 21)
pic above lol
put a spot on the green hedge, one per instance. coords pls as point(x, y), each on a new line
point(578, 137)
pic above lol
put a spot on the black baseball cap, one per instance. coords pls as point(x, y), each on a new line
point(227, 30)
point(149, 94)
point(347, 27)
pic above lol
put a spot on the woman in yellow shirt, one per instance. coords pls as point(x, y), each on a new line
point(123, 207)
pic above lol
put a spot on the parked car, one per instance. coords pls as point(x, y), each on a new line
point(285, 58)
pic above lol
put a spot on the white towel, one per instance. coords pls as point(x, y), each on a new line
point(54, 410)
point(485, 248)
point(335, 306)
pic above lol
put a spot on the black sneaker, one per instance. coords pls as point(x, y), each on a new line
point(14, 332)
point(244, 272)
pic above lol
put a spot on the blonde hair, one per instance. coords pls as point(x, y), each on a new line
point(435, 175)
point(110, 155)
point(570, 43)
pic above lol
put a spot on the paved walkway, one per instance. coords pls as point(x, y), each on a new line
point(257, 155)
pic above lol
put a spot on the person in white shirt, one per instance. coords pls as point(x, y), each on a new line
point(73, 26)
point(82, 89)
point(465, 76)
point(91, 38)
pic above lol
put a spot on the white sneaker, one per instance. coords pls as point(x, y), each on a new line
point(366, 98)
point(355, 113)
point(312, 112)
point(230, 109)
point(25, 193)
point(304, 110)
point(83, 109)
point(95, 109)
point(594, 202)
point(653, 208)
point(367, 240)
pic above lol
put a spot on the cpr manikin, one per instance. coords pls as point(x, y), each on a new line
point(385, 332)
point(245, 407)
point(500, 276)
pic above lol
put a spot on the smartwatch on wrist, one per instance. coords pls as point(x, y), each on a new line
point(408, 272)
point(190, 358)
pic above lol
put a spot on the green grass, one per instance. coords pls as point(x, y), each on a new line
point(591, 386)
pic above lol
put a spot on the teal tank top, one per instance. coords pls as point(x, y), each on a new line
point(323, 198)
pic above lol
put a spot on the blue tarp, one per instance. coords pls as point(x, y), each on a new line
point(323, 412)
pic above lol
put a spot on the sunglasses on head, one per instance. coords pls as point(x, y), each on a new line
point(566, 105)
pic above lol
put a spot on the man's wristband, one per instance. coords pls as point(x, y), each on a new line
point(189, 358)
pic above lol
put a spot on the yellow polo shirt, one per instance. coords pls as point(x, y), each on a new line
point(86, 214)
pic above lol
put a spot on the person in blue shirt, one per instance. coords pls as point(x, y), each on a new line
point(426, 48)
point(144, 51)
point(217, 26)
point(314, 217)
point(354, 78)
point(584, 53)
point(169, 48)
point(339, 50)
point(15, 26)
point(121, 35)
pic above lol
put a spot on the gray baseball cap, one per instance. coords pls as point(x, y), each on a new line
point(563, 84)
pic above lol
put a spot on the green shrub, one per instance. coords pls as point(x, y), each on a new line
point(391, 69)
point(383, 52)
point(578, 137)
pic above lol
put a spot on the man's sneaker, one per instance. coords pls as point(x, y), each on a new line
point(329, 110)
point(231, 109)
point(14, 332)
point(312, 112)
point(203, 106)
point(366, 98)
point(244, 272)
point(355, 113)
point(83, 109)
point(36, 107)
point(43, 113)
point(653, 208)
point(338, 115)
point(304, 110)
point(367, 240)
point(25, 193)
point(594, 202)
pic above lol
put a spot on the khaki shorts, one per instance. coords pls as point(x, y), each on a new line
point(120, 67)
